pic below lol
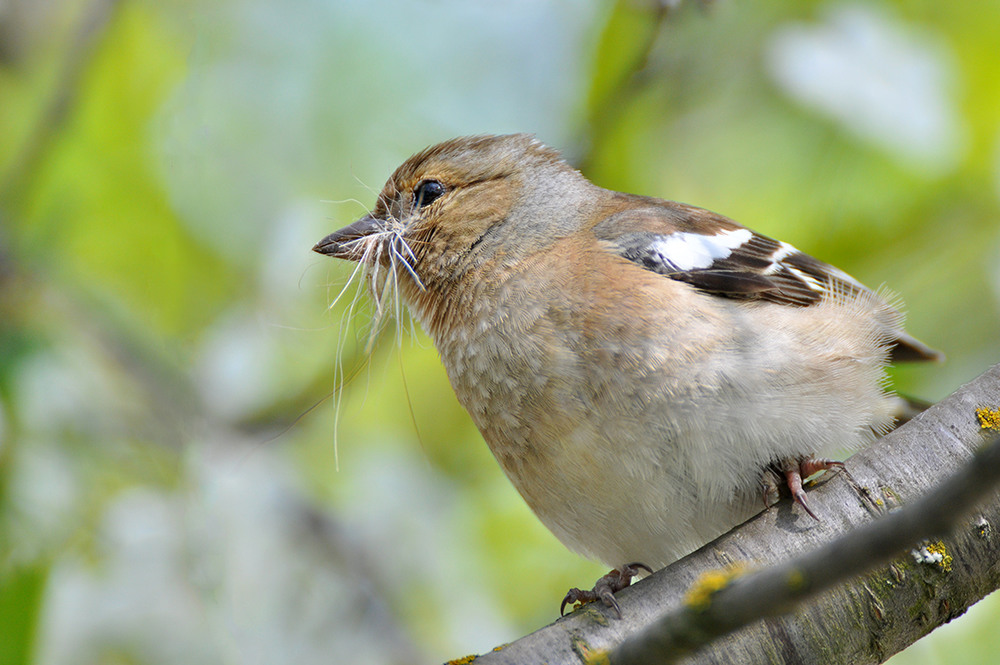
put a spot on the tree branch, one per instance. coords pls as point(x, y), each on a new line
point(862, 621)
point(780, 589)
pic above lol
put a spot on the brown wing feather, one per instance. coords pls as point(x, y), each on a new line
point(722, 258)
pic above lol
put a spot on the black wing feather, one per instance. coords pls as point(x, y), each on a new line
point(720, 257)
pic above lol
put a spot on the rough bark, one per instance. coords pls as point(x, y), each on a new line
point(865, 620)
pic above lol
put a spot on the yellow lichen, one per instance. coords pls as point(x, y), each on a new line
point(464, 660)
point(939, 548)
point(988, 418)
point(933, 554)
point(588, 655)
point(699, 596)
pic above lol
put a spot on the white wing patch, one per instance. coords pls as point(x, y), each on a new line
point(783, 252)
point(808, 279)
point(693, 251)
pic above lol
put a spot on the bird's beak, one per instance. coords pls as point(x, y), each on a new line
point(337, 244)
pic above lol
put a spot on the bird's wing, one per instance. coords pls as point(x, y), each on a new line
point(720, 257)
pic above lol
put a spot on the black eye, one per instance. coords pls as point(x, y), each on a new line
point(427, 192)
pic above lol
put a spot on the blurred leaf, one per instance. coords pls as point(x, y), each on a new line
point(621, 52)
point(21, 593)
point(97, 205)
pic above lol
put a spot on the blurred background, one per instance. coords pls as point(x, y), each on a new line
point(182, 479)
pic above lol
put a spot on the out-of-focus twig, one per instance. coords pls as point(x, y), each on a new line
point(16, 181)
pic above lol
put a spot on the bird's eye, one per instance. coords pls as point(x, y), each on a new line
point(427, 192)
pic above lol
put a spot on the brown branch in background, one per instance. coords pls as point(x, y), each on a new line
point(606, 97)
point(96, 323)
point(370, 595)
point(78, 56)
point(639, 22)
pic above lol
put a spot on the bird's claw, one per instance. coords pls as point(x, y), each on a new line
point(605, 588)
point(795, 470)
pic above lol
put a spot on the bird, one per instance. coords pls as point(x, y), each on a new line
point(636, 365)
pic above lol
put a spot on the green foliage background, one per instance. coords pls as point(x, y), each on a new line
point(168, 493)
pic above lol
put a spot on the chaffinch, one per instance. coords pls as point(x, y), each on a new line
point(635, 364)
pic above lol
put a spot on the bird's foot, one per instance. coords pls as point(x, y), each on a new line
point(605, 588)
point(795, 471)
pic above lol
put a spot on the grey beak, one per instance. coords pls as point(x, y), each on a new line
point(333, 244)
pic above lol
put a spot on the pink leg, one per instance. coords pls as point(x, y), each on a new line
point(797, 470)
